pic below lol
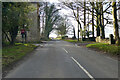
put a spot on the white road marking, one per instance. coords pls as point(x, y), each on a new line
point(83, 68)
point(65, 50)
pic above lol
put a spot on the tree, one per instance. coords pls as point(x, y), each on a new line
point(115, 23)
point(84, 17)
point(14, 17)
point(62, 29)
point(99, 14)
point(51, 17)
point(101, 20)
point(93, 19)
point(38, 17)
point(76, 16)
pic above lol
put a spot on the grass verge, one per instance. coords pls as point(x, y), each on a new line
point(113, 49)
point(11, 54)
point(70, 40)
point(76, 41)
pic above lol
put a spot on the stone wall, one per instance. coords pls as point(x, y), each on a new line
point(99, 39)
point(33, 35)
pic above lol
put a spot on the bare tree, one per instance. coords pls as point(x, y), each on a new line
point(115, 23)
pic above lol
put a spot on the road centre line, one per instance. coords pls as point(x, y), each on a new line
point(83, 68)
point(65, 50)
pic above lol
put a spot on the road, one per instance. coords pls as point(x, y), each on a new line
point(60, 59)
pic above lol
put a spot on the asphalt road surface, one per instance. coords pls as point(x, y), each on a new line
point(60, 59)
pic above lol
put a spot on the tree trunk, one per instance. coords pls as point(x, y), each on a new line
point(43, 26)
point(115, 23)
point(78, 20)
point(93, 20)
point(5, 35)
point(38, 21)
point(97, 22)
point(74, 33)
point(13, 34)
point(102, 22)
point(84, 16)
point(46, 34)
point(78, 32)
point(46, 21)
point(88, 26)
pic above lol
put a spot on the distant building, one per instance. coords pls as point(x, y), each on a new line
point(33, 35)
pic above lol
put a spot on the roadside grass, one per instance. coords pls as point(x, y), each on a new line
point(112, 49)
point(13, 53)
point(70, 40)
point(76, 41)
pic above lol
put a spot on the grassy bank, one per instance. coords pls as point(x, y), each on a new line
point(70, 40)
point(11, 54)
point(76, 41)
point(113, 49)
